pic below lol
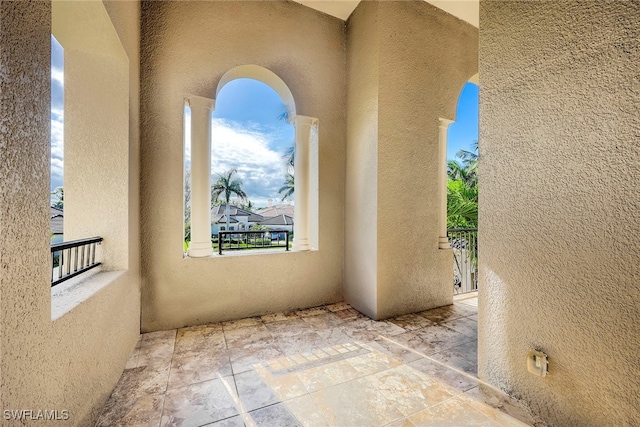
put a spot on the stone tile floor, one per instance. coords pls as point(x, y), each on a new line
point(323, 366)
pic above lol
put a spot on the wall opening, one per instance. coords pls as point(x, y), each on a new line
point(56, 181)
point(262, 163)
point(462, 190)
point(90, 134)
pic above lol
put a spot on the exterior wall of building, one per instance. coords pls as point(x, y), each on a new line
point(559, 214)
point(407, 63)
point(71, 363)
point(186, 49)
point(360, 274)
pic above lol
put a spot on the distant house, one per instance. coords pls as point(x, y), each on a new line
point(239, 219)
point(56, 224)
point(274, 217)
point(275, 210)
point(279, 223)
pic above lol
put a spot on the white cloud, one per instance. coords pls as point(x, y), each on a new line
point(247, 148)
point(57, 75)
point(57, 148)
point(261, 168)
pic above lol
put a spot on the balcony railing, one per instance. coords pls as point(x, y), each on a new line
point(69, 259)
point(252, 239)
point(464, 242)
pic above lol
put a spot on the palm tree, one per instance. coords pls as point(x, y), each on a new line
point(470, 159)
point(462, 189)
point(289, 158)
point(287, 188)
point(462, 205)
point(226, 186)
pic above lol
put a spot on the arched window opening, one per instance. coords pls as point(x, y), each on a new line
point(461, 192)
point(259, 151)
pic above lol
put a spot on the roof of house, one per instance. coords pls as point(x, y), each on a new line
point(275, 210)
point(57, 224)
point(235, 211)
point(278, 220)
point(222, 219)
point(57, 220)
point(55, 212)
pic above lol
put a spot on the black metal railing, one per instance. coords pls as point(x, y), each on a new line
point(69, 259)
point(252, 239)
point(464, 242)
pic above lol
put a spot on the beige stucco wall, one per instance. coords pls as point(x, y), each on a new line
point(71, 363)
point(360, 269)
point(559, 211)
point(186, 48)
point(421, 58)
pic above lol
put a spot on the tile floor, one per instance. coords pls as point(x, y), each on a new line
point(323, 366)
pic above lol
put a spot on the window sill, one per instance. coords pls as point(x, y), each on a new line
point(252, 252)
point(69, 295)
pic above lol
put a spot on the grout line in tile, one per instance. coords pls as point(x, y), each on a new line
point(433, 360)
point(246, 417)
point(166, 388)
point(475, 378)
point(164, 397)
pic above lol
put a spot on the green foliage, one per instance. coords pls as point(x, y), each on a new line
point(187, 205)
point(288, 188)
point(225, 186)
point(462, 190)
point(58, 193)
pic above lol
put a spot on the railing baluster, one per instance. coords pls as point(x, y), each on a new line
point(464, 242)
point(246, 239)
point(74, 257)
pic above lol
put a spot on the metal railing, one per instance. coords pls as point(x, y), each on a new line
point(464, 242)
point(252, 239)
point(69, 259)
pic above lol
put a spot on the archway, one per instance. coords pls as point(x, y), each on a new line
point(459, 187)
point(305, 171)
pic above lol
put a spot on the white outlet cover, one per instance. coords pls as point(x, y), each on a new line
point(537, 363)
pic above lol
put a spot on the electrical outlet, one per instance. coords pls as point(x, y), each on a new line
point(537, 363)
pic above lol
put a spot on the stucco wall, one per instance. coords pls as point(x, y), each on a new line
point(73, 362)
point(423, 57)
point(559, 211)
point(360, 270)
point(186, 48)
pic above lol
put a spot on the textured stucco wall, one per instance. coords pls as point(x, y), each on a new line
point(186, 48)
point(559, 211)
point(73, 362)
point(96, 131)
point(96, 145)
point(24, 233)
point(125, 18)
point(360, 269)
point(424, 57)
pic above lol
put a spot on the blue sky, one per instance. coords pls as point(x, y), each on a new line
point(57, 113)
point(464, 131)
point(247, 132)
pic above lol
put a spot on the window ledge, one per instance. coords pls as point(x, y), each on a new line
point(253, 252)
point(69, 295)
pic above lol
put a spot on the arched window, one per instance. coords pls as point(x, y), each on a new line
point(459, 189)
point(230, 153)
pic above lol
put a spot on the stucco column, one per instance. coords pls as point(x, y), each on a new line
point(303, 126)
point(443, 241)
point(201, 108)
